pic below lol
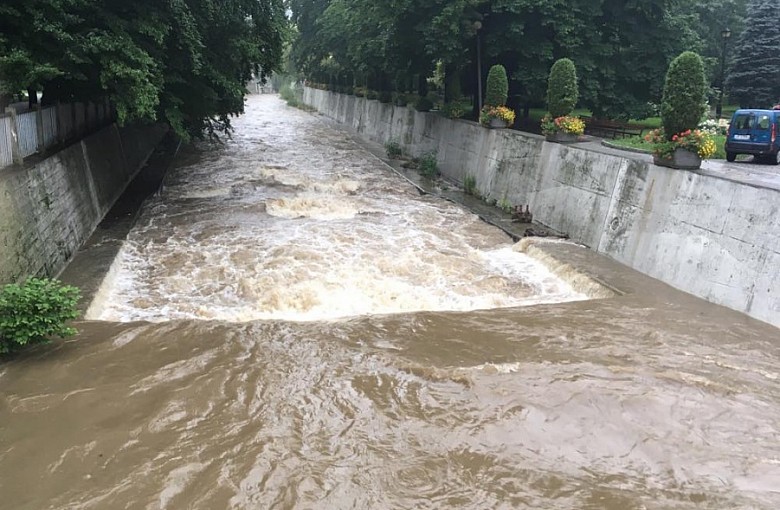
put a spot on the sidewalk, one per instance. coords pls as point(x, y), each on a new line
point(753, 174)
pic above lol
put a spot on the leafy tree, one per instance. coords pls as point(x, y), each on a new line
point(684, 94)
point(754, 77)
point(497, 86)
point(622, 49)
point(562, 90)
point(184, 62)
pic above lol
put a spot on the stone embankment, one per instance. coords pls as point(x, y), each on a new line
point(49, 207)
point(709, 235)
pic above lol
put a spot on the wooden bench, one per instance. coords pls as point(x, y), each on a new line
point(606, 128)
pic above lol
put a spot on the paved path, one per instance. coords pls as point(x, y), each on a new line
point(752, 174)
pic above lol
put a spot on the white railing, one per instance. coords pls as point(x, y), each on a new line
point(27, 131)
point(25, 134)
point(6, 142)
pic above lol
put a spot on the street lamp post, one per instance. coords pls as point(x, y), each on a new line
point(725, 36)
point(478, 27)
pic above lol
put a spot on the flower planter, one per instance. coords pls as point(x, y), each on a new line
point(561, 137)
point(497, 124)
point(682, 159)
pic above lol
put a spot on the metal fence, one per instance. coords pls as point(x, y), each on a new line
point(25, 134)
point(49, 126)
point(6, 142)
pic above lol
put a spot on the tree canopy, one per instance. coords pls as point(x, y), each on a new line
point(754, 80)
point(621, 48)
point(184, 62)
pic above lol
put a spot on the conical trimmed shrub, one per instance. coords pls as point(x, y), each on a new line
point(562, 90)
point(684, 94)
point(497, 88)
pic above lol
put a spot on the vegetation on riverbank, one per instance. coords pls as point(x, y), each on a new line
point(432, 49)
point(184, 63)
point(36, 311)
point(641, 144)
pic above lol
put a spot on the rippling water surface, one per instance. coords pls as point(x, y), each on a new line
point(290, 325)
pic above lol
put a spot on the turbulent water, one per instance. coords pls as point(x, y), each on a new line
point(293, 221)
point(291, 325)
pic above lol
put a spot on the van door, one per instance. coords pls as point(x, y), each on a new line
point(762, 131)
point(742, 126)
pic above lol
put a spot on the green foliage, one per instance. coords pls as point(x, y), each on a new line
point(290, 94)
point(642, 144)
point(562, 90)
point(497, 87)
point(622, 49)
point(684, 94)
point(454, 110)
point(470, 185)
point(394, 149)
point(428, 165)
point(34, 312)
point(183, 62)
point(754, 78)
point(423, 104)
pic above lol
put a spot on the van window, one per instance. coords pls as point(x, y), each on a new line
point(742, 121)
point(764, 121)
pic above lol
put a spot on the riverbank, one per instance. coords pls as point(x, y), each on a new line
point(711, 233)
point(51, 206)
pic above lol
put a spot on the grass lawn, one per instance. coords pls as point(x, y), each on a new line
point(637, 142)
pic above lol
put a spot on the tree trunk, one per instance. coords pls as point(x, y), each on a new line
point(32, 98)
point(452, 88)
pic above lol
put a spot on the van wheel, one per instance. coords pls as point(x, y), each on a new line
point(775, 160)
point(731, 157)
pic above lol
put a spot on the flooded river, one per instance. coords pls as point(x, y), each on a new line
point(290, 325)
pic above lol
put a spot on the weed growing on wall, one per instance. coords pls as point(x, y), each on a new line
point(470, 185)
point(428, 165)
point(35, 311)
point(394, 149)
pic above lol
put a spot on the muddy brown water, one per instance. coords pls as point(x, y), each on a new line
point(290, 325)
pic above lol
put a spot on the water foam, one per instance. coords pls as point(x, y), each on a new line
point(329, 234)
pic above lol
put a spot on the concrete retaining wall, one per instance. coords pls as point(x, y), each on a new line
point(714, 238)
point(49, 208)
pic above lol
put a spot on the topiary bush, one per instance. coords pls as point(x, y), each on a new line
point(497, 87)
point(684, 97)
point(34, 312)
point(562, 90)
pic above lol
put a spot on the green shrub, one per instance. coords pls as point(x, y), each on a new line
point(400, 99)
point(291, 94)
point(372, 94)
point(385, 97)
point(428, 165)
point(497, 87)
point(34, 312)
point(454, 110)
point(394, 149)
point(684, 94)
point(423, 104)
point(470, 185)
point(562, 90)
